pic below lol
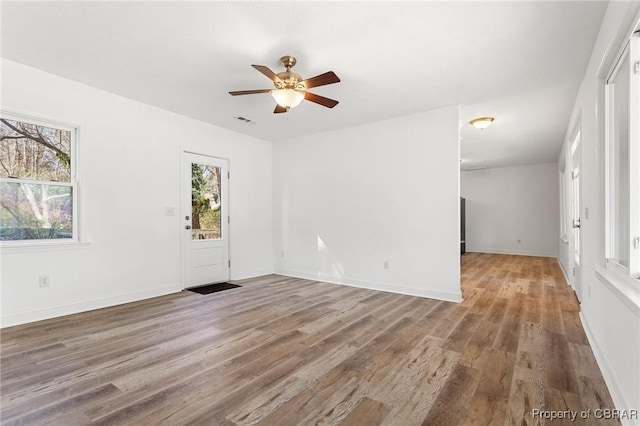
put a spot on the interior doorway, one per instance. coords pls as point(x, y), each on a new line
point(576, 218)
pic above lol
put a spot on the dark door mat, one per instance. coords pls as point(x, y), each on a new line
point(213, 288)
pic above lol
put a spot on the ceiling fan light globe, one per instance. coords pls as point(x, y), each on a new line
point(287, 98)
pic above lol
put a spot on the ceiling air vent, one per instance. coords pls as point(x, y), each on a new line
point(244, 120)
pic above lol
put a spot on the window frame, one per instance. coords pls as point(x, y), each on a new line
point(631, 48)
point(73, 183)
point(634, 157)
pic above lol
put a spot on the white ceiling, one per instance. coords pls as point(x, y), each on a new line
point(521, 62)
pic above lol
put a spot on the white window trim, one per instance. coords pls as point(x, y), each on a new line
point(634, 159)
point(620, 273)
point(609, 169)
point(77, 241)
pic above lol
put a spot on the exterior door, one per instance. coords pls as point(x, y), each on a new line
point(204, 220)
point(576, 208)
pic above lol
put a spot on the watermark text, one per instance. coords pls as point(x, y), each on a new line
point(598, 413)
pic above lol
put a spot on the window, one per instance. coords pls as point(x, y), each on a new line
point(623, 147)
point(38, 188)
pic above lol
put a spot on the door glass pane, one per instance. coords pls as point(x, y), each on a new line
point(35, 211)
point(206, 202)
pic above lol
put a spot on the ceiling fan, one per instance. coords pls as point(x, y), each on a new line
point(291, 89)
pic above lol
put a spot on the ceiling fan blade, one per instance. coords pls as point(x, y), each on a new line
point(249, 92)
point(328, 77)
point(279, 109)
point(329, 103)
point(270, 74)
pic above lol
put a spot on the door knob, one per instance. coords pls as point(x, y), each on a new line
point(576, 223)
point(187, 227)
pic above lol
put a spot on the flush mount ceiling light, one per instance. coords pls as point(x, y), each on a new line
point(291, 89)
point(482, 122)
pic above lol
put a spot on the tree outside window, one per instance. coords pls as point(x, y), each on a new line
point(205, 201)
point(37, 185)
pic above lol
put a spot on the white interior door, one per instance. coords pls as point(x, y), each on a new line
point(204, 208)
point(576, 208)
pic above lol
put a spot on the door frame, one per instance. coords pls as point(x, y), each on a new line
point(575, 271)
point(183, 272)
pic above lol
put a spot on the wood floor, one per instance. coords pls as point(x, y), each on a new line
point(283, 351)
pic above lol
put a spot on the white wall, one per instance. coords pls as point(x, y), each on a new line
point(349, 200)
point(610, 309)
point(130, 162)
point(507, 204)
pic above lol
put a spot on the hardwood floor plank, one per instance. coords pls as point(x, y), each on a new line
point(314, 401)
point(460, 336)
point(482, 303)
point(533, 309)
point(214, 378)
point(36, 415)
point(344, 377)
point(450, 407)
point(527, 394)
point(560, 374)
point(412, 392)
point(474, 355)
point(282, 350)
point(497, 310)
point(490, 400)
point(367, 412)
point(593, 393)
point(562, 401)
point(573, 327)
point(584, 361)
point(552, 318)
point(315, 362)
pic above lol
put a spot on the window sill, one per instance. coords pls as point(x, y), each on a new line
point(35, 246)
point(624, 286)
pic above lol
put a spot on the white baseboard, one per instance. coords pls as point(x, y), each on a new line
point(410, 291)
point(241, 275)
point(512, 252)
point(566, 277)
point(86, 305)
point(617, 395)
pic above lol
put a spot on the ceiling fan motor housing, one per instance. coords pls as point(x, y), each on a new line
point(291, 79)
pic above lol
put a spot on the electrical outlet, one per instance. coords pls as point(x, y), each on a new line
point(43, 280)
point(282, 253)
point(169, 211)
point(385, 264)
